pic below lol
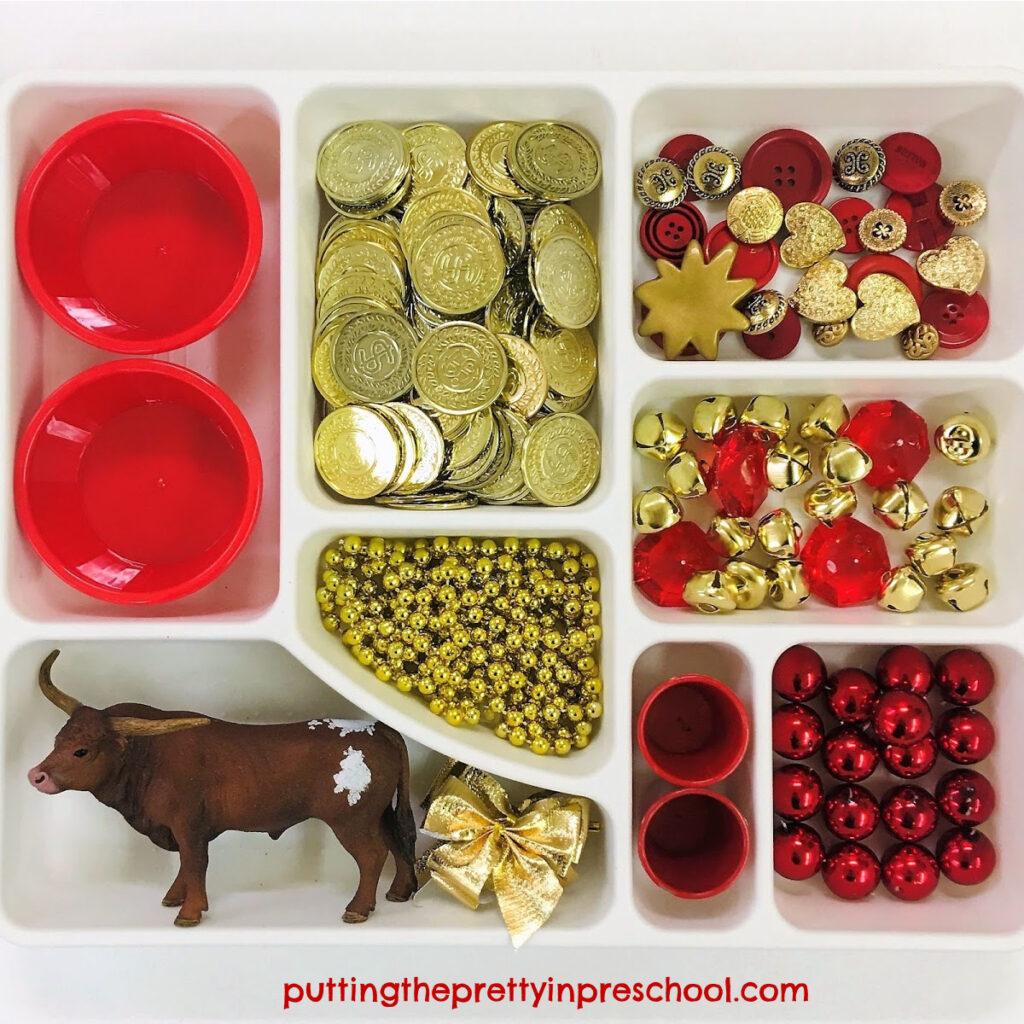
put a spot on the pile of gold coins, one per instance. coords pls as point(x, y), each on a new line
point(504, 634)
point(455, 285)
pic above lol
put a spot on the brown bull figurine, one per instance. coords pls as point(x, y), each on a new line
point(182, 779)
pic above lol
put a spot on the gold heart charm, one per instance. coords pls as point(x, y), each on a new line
point(888, 308)
point(959, 265)
point(821, 296)
point(813, 234)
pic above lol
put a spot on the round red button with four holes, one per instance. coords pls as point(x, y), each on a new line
point(757, 261)
point(665, 234)
point(960, 319)
point(680, 151)
point(886, 263)
point(926, 227)
point(793, 164)
point(849, 212)
point(912, 162)
point(779, 341)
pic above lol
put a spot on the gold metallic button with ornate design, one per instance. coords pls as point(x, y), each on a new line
point(858, 165)
point(660, 184)
point(882, 231)
point(754, 215)
point(713, 173)
point(963, 203)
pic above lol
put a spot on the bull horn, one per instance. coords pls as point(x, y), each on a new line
point(52, 693)
point(154, 726)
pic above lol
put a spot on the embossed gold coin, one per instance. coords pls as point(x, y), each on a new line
point(487, 157)
point(362, 165)
point(356, 452)
point(438, 156)
point(568, 354)
point(858, 165)
point(513, 309)
point(441, 200)
point(460, 368)
point(554, 161)
point(963, 203)
point(556, 219)
point(372, 356)
point(511, 227)
point(567, 281)
point(323, 374)
point(713, 173)
point(754, 215)
point(527, 384)
point(561, 459)
point(660, 184)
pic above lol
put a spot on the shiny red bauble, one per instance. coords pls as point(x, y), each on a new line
point(797, 731)
point(849, 754)
point(905, 668)
point(966, 797)
point(851, 871)
point(913, 760)
point(965, 736)
point(910, 872)
point(964, 676)
point(910, 813)
point(798, 852)
point(966, 856)
point(901, 717)
point(851, 812)
point(851, 695)
point(798, 674)
point(797, 792)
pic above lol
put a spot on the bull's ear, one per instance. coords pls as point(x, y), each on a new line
point(154, 726)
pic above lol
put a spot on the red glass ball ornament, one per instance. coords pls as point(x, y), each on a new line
point(965, 736)
point(901, 717)
point(849, 754)
point(913, 760)
point(905, 668)
point(798, 673)
point(797, 792)
point(910, 813)
point(851, 695)
point(910, 872)
point(966, 797)
point(851, 871)
point(964, 676)
point(966, 856)
point(798, 852)
point(851, 812)
point(797, 731)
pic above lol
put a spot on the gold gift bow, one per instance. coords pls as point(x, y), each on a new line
point(525, 853)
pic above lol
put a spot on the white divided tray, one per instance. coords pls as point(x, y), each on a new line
point(250, 646)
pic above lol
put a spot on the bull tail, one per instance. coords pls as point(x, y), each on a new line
point(398, 819)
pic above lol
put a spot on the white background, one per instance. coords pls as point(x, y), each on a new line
point(247, 984)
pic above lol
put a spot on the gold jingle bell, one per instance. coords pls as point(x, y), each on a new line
point(919, 341)
point(963, 439)
point(731, 536)
point(747, 582)
point(779, 535)
point(902, 590)
point(829, 335)
point(825, 419)
point(960, 509)
point(932, 554)
point(788, 465)
point(964, 587)
point(655, 509)
point(686, 476)
point(768, 412)
point(787, 587)
point(830, 502)
point(843, 462)
point(659, 435)
point(712, 415)
point(900, 506)
point(709, 592)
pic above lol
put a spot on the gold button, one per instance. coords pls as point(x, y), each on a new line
point(920, 341)
point(882, 231)
point(963, 439)
point(764, 309)
point(660, 184)
point(963, 203)
point(754, 215)
point(858, 165)
point(713, 173)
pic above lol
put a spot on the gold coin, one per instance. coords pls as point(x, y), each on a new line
point(554, 161)
point(567, 281)
point(465, 477)
point(372, 356)
point(561, 459)
point(323, 374)
point(460, 368)
point(569, 357)
point(527, 384)
point(377, 231)
point(713, 173)
point(441, 200)
point(512, 310)
point(376, 210)
point(406, 439)
point(858, 165)
point(754, 215)
point(963, 203)
point(557, 219)
point(660, 184)
point(438, 154)
point(339, 313)
point(429, 449)
point(435, 500)
point(882, 230)
point(559, 403)
point(361, 258)
point(487, 157)
point(511, 227)
point(764, 309)
point(362, 284)
point(355, 452)
point(469, 446)
point(511, 483)
point(362, 163)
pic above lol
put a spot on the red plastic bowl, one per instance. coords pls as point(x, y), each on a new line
point(138, 231)
point(138, 482)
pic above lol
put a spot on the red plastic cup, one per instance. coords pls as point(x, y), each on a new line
point(693, 730)
point(137, 481)
point(693, 843)
point(138, 231)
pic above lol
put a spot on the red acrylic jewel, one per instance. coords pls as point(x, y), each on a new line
point(664, 562)
point(894, 436)
point(844, 563)
point(739, 474)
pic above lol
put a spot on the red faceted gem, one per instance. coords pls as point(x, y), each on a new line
point(905, 668)
point(798, 673)
point(851, 695)
point(964, 676)
point(901, 718)
point(798, 852)
point(844, 563)
point(851, 812)
point(797, 792)
point(965, 736)
point(966, 856)
point(966, 797)
point(910, 872)
point(849, 755)
point(851, 871)
point(910, 813)
point(663, 562)
point(913, 760)
point(894, 436)
point(739, 474)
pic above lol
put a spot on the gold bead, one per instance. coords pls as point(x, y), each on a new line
point(778, 534)
point(829, 335)
point(540, 745)
point(517, 736)
point(901, 506)
point(712, 415)
point(747, 582)
point(919, 341)
point(932, 554)
point(659, 435)
point(829, 502)
point(332, 557)
point(768, 412)
point(731, 536)
point(788, 465)
point(825, 419)
point(655, 509)
point(902, 590)
point(331, 623)
point(437, 706)
point(964, 587)
point(963, 439)
point(960, 509)
point(787, 587)
point(843, 462)
point(562, 746)
point(709, 593)
point(685, 476)
point(453, 716)
point(352, 544)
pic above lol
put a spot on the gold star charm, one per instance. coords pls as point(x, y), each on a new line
point(694, 303)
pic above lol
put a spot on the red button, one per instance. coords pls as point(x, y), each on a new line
point(665, 234)
point(779, 341)
point(926, 227)
point(960, 319)
point(886, 263)
point(680, 150)
point(793, 164)
point(912, 162)
point(757, 261)
point(849, 212)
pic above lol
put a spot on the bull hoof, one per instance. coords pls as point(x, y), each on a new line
point(186, 922)
point(351, 917)
point(397, 897)
point(168, 902)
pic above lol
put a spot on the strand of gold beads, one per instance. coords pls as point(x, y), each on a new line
point(504, 634)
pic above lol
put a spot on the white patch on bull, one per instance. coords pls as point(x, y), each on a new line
point(354, 776)
point(344, 725)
